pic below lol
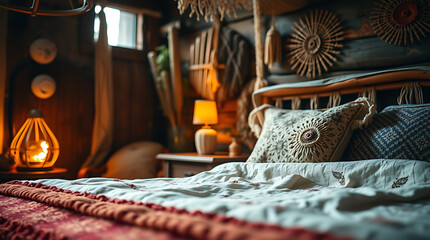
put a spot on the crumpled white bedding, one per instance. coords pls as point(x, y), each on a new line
point(371, 199)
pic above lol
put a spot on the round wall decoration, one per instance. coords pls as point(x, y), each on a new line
point(401, 21)
point(43, 86)
point(43, 51)
point(314, 43)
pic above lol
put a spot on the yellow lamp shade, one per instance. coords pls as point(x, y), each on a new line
point(205, 112)
point(35, 146)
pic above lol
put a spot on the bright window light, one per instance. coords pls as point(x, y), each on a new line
point(121, 27)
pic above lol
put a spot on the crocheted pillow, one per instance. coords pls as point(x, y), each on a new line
point(309, 135)
point(398, 132)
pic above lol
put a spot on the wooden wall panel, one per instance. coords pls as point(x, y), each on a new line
point(135, 103)
point(362, 49)
point(68, 113)
point(368, 54)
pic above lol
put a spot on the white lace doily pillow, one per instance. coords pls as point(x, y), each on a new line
point(309, 135)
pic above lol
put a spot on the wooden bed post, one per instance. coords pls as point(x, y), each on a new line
point(258, 47)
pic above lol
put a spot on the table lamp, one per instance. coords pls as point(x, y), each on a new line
point(205, 112)
point(35, 147)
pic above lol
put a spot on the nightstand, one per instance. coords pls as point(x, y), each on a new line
point(189, 164)
point(13, 174)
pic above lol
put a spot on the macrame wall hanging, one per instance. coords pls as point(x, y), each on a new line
point(401, 21)
point(211, 8)
point(314, 43)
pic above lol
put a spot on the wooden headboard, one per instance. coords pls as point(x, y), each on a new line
point(382, 81)
point(379, 82)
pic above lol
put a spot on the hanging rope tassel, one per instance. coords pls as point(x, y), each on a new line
point(314, 102)
point(334, 99)
point(410, 91)
point(296, 103)
point(369, 92)
point(279, 103)
point(273, 46)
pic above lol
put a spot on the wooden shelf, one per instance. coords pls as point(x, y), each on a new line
point(188, 164)
point(14, 174)
point(194, 157)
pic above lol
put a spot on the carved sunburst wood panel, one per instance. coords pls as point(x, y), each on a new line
point(315, 42)
point(401, 21)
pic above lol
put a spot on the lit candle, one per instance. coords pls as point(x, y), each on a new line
point(38, 151)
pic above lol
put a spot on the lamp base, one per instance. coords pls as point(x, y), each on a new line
point(205, 140)
point(30, 169)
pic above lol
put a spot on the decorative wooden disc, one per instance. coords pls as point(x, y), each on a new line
point(401, 21)
point(314, 43)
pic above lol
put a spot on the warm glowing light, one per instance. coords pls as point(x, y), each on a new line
point(205, 112)
point(38, 152)
point(34, 146)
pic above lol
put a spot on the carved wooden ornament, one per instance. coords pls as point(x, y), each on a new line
point(314, 43)
point(401, 21)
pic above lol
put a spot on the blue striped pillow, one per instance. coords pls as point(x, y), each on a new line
point(398, 132)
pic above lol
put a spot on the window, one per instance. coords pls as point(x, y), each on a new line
point(123, 27)
point(133, 28)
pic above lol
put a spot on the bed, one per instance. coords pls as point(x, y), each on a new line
point(359, 184)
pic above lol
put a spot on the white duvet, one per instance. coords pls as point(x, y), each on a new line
point(372, 199)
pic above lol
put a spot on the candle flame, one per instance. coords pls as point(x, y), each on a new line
point(40, 157)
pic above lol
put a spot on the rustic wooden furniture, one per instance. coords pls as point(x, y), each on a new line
point(13, 174)
point(189, 164)
point(383, 81)
point(289, 92)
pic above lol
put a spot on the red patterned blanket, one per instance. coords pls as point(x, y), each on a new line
point(37, 211)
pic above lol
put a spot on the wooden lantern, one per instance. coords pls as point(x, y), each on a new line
point(35, 147)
